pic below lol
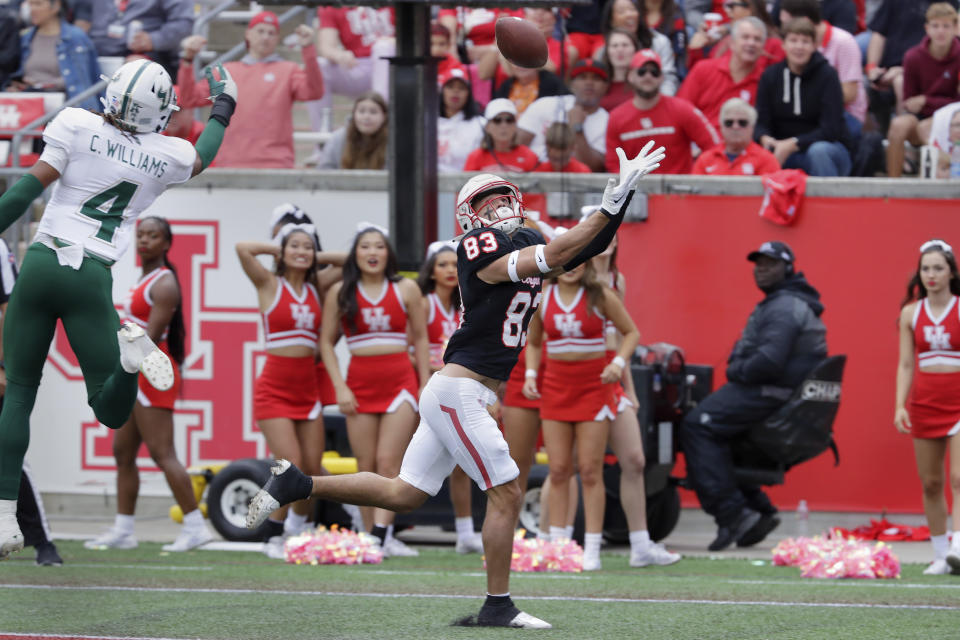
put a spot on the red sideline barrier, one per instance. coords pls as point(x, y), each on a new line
point(689, 284)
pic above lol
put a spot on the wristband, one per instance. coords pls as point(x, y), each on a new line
point(223, 108)
point(870, 67)
point(619, 361)
point(541, 259)
point(530, 373)
point(512, 266)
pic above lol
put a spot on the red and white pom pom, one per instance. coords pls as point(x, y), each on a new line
point(543, 555)
point(333, 546)
point(835, 556)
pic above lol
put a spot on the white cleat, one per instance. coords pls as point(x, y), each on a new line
point(938, 567)
point(263, 504)
point(138, 353)
point(653, 554)
point(11, 538)
point(394, 548)
point(190, 539)
point(473, 544)
point(526, 621)
point(112, 539)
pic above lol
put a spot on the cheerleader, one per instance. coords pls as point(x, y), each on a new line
point(285, 403)
point(625, 439)
point(576, 391)
point(928, 401)
point(154, 304)
point(372, 307)
point(441, 304)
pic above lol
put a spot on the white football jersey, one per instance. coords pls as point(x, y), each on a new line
point(110, 178)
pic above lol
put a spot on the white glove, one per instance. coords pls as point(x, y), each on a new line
point(226, 84)
point(630, 173)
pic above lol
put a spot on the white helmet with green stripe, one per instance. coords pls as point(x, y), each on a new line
point(140, 96)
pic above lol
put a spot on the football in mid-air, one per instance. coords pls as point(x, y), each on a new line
point(521, 42)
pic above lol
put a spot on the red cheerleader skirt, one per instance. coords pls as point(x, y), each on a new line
point(513, 393)
point(325, 390)
point(286, 388)
point(934, 405)
point(572, 391)
point(380, 384)
point(150, 396)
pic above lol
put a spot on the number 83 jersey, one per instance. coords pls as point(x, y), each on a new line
point(495, 316)
point(109, 177)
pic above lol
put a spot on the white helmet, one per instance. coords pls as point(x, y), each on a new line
point(140, 96)
point(507, 218)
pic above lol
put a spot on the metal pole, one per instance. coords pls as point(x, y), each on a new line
point(412, 148)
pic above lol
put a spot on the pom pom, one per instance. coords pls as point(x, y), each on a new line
point(835, 556)
point(333, 546)
point(543, 555)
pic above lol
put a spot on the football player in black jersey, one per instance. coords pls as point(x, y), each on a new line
point(501, 265)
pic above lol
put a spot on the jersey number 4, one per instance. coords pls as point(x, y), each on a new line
point(107, 208)
point(513, 333)
point(485, 242)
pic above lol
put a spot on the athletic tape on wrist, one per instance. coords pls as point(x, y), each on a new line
point(512, 266)
point(530, 373)
point(541, 259)
point(619, 361)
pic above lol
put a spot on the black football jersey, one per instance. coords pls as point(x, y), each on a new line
point(495, 316)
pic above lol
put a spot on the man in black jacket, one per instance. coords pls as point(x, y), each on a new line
point(800, 107)
point(783, 340)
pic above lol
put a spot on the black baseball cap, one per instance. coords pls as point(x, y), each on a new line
point(773, 249)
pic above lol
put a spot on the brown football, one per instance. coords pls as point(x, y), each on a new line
point(521, 42)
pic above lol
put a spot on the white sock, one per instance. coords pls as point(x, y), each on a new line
point(8, 508)
point(568, 531)
point(940, 546)
point(193, 520)
point(639, 540)
point(591, 544)
point(124, 524)
point(389, 532)
point(557, 533)
point(294, 523)
point(464, 527)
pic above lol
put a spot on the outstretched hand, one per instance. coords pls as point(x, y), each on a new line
point(630, 173)
point(225, 86)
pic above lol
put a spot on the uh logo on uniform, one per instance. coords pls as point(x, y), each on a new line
point(376, 319)
point(568, 325)
point(937, 338)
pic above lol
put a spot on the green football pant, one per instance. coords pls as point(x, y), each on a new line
point(82, 299)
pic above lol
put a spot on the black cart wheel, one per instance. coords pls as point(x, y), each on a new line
point(229, 496)
point(663, 512)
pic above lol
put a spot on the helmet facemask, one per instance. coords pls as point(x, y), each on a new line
point(504, 212)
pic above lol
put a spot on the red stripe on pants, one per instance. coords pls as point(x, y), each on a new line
point(466, 441)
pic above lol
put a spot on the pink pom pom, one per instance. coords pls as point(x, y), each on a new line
point(836, 557)
point(543, 555)
point(336, 546)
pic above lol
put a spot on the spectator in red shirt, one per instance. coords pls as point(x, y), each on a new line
point(672, 122)
point(560, 140)
point(702, 41)
point(346, 42)
point(931, 72)
point(734, 75)
point(619, 48)
point(499, 150)
point(738, 154)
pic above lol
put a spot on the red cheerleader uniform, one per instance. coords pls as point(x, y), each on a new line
point(287, 387)
point(136, 308)
point(380, 384)
point(440, 326)
point(934, 404)
point(571, 390)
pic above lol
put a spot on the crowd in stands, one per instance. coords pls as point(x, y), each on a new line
point(840, 87)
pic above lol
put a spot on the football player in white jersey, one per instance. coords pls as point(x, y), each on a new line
point(107, 168)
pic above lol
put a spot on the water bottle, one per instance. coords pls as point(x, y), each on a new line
point(803, 519)
point(133, 29)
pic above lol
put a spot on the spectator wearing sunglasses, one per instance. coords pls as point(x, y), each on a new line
point(738, 154)
point(735, 75)
point(499, 151)
point(800, 107)
point(671, 122)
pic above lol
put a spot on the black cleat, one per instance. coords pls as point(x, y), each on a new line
point(286, 484)
point(47, 555)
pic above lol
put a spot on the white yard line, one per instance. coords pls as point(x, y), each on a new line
point(341, 594)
